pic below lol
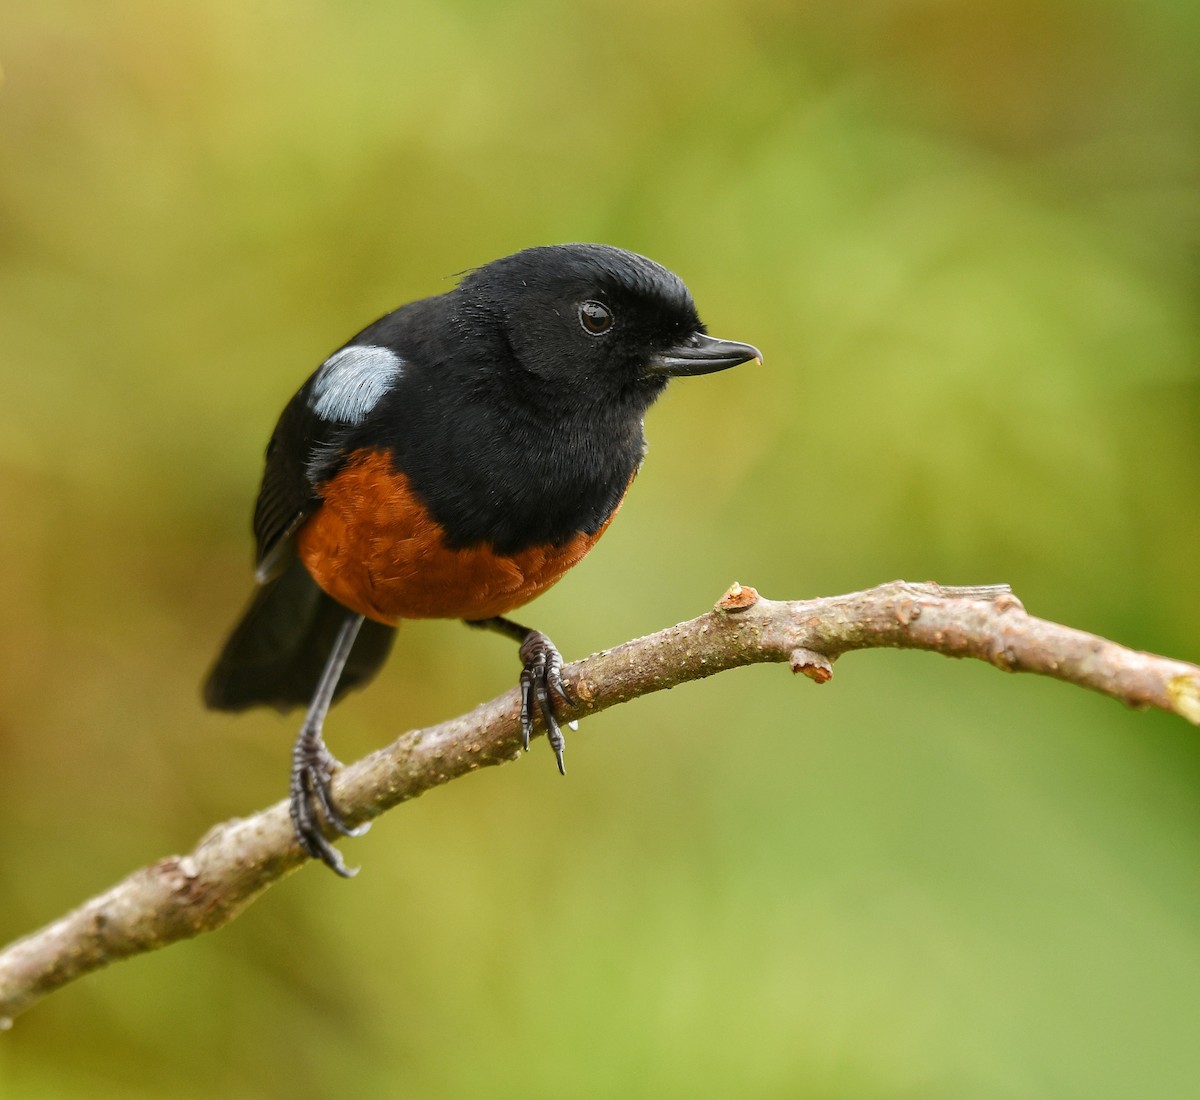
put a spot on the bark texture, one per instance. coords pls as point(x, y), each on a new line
point(181, 896)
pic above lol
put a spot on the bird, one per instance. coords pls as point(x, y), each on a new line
point(452, 460)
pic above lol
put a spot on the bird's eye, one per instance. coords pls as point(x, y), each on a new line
point(596, 318)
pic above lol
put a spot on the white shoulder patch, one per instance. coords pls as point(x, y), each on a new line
point(350, 383)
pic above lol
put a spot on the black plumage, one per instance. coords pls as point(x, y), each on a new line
point(498, 426)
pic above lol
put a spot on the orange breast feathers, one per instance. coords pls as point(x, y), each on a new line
point(374, 548)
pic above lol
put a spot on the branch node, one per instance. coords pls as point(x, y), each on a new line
point(1003, 657)
point(583, 689)
point(907, 612)
point(816, 666)
point(737, 598)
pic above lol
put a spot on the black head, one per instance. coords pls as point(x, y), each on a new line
point(599, 322)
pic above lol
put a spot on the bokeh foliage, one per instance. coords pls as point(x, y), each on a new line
point(965, 236)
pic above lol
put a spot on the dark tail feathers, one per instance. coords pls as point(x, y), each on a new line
point(276, 652)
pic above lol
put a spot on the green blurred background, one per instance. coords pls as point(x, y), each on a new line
point(965, 236)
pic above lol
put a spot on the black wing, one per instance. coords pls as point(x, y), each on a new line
point(288, 495)
point(314, 434)
point(276, 652)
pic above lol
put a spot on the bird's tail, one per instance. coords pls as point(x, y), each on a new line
point(277, 650)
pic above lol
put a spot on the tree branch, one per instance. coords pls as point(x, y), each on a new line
point(181, 896)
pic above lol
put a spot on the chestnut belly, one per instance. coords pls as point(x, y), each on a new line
point(373, 546)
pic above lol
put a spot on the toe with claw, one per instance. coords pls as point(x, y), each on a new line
point(312, 802)
point(541, 685)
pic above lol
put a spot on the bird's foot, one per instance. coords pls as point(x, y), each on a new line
point(541, 684)
point(313, 766)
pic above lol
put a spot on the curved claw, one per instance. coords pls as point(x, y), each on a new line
point(527, 705)
point(311, 801)
point(554, 680)
point(333, 815)
point(541, 683)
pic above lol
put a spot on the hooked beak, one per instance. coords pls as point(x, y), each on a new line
point(700, 354)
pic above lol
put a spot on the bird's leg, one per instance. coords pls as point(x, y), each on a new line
point(541, 681)
point(313, 764)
